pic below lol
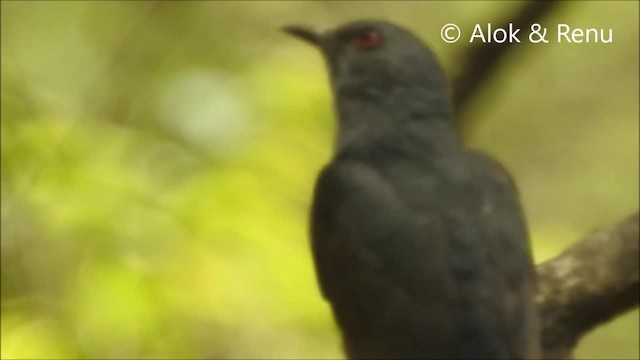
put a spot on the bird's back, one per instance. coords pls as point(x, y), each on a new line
point(423, 259)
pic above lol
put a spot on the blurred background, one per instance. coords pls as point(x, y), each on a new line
point(158, 160)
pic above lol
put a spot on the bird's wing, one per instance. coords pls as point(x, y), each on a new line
point(461, 266)
point(378, 263)
point(359, 220)
point(508, 250)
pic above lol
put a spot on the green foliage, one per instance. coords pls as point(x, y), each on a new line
point(158, 161)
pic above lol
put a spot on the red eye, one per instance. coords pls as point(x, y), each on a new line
point(368, 40)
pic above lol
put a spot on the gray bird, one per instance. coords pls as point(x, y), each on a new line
point(419, 244)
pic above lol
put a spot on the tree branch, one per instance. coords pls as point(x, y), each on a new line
point(481, 61)
point(588, 284)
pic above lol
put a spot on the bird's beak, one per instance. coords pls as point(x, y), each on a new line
point(305, 33)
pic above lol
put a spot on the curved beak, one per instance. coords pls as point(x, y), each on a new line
point(305, 33)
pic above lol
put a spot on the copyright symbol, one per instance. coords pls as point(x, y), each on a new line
point(450, 33)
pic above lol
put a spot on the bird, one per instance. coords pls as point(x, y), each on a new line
point(419, 243)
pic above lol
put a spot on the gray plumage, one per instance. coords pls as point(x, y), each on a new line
point(419, 244)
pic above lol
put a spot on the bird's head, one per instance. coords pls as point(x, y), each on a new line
point(382, 73)
point(374, 57)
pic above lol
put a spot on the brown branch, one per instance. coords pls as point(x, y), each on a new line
point(587, 285)
point(480, 60)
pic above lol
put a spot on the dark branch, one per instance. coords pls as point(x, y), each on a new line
point(587, 285)
point(482, 60)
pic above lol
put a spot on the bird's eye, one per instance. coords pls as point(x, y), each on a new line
point(368, 40)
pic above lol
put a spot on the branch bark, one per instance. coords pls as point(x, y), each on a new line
point(588, 284)
point(596, 279)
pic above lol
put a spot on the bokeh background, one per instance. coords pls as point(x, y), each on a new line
point(158, 160)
